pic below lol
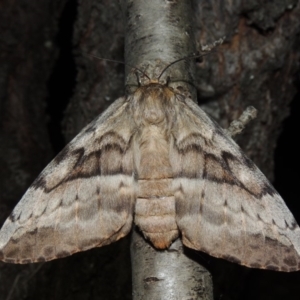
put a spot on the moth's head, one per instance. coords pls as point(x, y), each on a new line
point(154, 80)
point(154, 89)
point(175, 77)
point(148, 74)
point(160, 75)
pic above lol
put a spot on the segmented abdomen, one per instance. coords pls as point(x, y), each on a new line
point(155, 203)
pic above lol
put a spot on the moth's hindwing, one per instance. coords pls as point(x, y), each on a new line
point(83, 199)
point(225, 206)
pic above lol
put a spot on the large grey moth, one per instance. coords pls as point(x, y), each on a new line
point(156, 159)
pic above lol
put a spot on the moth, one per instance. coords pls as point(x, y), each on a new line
point(156, 159)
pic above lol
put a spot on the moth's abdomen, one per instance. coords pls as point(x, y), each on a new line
point(155, 203)
point(156, 218)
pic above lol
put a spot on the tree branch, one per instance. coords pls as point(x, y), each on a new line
point(158, 33)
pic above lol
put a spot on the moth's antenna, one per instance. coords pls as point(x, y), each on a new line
point(178, 60)
point(120, 62)
point(206, 49)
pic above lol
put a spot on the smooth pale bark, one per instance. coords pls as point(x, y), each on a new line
point(157, 34)
point(169, 274)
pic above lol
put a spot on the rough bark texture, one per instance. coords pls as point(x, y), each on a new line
point(255, 66)
point(98, 31)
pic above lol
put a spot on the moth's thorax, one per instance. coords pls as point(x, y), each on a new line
point(153, 104)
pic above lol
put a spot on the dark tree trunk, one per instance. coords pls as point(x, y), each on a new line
point(256, 66)
point(27, 54)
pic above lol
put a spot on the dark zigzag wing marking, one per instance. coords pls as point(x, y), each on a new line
point(86, 165)
point(70, 207)
point(224, 204)
point(223, 163)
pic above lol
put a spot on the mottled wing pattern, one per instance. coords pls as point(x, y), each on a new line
point(225, 206)
point(84, 198)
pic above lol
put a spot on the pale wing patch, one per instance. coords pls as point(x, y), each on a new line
point(224, 205)
point(83, 199)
